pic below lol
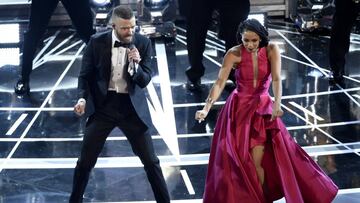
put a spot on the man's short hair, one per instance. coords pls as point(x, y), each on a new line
point(123, 12)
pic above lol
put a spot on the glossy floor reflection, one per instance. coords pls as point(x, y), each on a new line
point(40, 136)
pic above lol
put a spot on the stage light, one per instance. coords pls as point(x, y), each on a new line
point(261, 17)
point(155, 4)
point(156, 14)
point(101, 2)
point(10, 33)
point(9, 56)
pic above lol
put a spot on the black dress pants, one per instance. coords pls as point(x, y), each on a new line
point(343, 21)
point(117, 112)
point(40, 14)
point(232, 13)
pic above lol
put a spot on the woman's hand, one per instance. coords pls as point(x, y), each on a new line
point(201, 115)
point(277, 111)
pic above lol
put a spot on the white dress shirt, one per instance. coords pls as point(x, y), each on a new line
point(118, 81)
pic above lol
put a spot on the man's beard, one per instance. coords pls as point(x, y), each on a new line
point(127, 39)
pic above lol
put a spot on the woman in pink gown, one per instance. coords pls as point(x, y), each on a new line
point(253, 158)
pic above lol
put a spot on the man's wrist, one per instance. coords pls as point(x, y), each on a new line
point(81, 100)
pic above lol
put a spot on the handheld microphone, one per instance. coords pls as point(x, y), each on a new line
point(131, 68)
point(132, 46)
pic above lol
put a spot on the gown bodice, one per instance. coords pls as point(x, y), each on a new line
point(245, 74)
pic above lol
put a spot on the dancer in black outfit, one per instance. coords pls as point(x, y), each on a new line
point(345, 16)
point(40, 14)
point(199, 16)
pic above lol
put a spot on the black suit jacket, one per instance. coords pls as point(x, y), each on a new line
point(96, 70)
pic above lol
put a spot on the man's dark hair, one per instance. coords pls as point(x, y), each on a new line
point(123, 12)
point(254, 26)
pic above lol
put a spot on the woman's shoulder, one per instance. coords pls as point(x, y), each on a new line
point(235, 51)
point(233, 56)
point(271, 46)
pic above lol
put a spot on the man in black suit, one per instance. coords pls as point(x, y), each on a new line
point(115, 69)
point(40, 14)
point(199, 17)
point(346, 12)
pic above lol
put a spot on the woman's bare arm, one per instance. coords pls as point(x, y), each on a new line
point(275, 62)
point(231, 58)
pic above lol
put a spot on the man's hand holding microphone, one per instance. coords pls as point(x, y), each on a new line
point(134, 59)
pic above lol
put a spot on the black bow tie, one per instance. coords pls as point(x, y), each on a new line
point(121, 44)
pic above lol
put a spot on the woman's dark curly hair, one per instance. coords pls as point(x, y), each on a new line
point(254, 26)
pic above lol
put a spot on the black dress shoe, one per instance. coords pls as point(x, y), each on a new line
point(22, 87)
point(194, 86)
point(336, 78)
